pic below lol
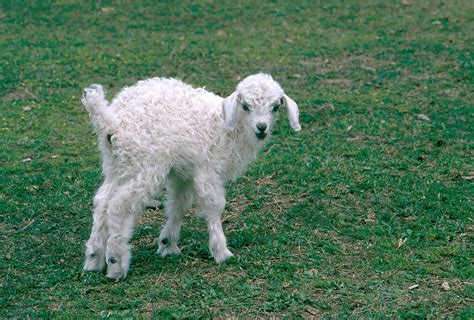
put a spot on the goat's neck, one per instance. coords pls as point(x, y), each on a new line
point(243, 149)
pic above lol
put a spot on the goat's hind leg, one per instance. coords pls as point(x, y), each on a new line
point(179, 199)
point(124, 206)
point(95, 246)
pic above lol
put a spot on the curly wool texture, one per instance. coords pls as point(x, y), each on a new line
point(167, 122)
point(165, 133)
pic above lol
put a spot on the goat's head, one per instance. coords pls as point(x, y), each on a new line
point(257, 100)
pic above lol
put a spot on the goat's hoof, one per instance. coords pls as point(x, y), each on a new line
point(94, 262)
point(117, 266)
point(115, 271)
point(153, 204)
point(116, 276)
point(222, 256)
point(168, 249)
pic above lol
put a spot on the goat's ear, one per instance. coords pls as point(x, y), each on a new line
point(293, 113)
point(229, 107)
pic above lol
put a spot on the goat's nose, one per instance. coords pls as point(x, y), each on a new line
point(261, 126)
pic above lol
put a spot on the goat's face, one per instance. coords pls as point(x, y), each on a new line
point(256, 102)
point(260, 114)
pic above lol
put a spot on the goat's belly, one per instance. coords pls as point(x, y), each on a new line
point(183, 172)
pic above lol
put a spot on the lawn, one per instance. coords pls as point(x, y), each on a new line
point(367, 212)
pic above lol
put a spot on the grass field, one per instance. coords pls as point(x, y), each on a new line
point(367, 212)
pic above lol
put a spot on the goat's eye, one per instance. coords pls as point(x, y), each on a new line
point(275, 108)
point(245, 107)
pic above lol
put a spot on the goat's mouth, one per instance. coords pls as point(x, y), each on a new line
point(260, 135)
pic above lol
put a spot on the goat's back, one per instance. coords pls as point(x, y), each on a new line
point(167, 121)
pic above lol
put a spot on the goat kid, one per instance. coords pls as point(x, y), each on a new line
point(162, 134)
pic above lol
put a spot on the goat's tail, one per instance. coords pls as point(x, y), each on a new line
point(97, 106)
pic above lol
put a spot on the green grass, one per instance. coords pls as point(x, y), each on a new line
point(339, 220)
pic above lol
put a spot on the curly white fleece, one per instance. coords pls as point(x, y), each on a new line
point(165, 133)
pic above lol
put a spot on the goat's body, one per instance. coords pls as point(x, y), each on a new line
point(183, 131)
point(162, 133)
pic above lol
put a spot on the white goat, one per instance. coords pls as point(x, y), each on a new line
point(164, 133)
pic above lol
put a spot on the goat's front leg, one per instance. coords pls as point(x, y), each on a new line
point(217, 240)
point(179, 199)
point(211, 195)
